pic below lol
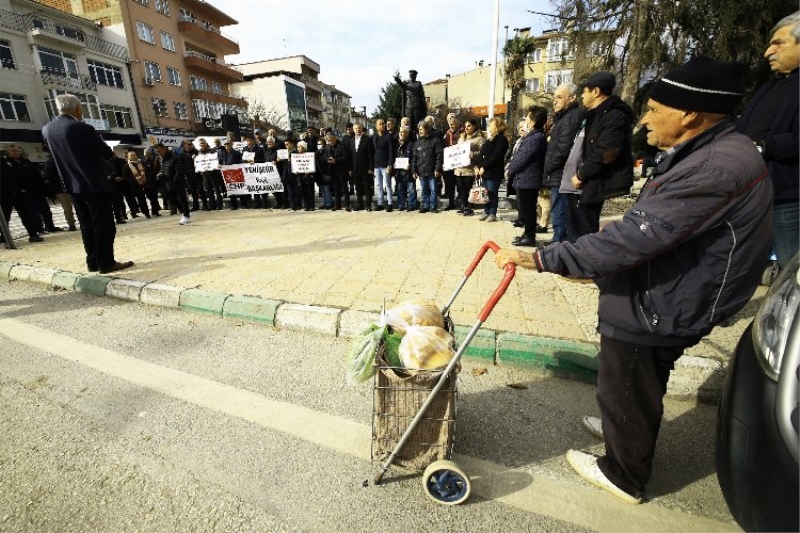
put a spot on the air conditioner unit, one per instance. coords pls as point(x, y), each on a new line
point(149, 81)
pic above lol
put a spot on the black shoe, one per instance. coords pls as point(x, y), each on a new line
point(525, 241)
point(156, 214)
point(468, 212)
point(146, 215)
point(35, 238)
point(234, 208)
point(389, 209)
point(541, 229)
point(435, 210)
point(121, 221)
point(55, 229)
point(369, 209)
point(116, 267)
point(378, 208)
point(460, 211)
point(424, 210)
point(449, 207)
point(348, 209)
point(193, 209)
point(519, 224)
point(73, 228)
point(206, 209)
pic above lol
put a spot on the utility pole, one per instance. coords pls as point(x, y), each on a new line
point(493, 77)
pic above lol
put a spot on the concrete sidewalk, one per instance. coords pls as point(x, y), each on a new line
point(332, 272)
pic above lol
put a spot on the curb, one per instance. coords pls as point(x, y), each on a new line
point(694, 378)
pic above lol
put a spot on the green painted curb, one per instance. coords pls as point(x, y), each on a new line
point(201, 301)
point(65, 280)
point(5, 268)
point(574, 360)
point(92, 284)
point(251, 308)
point(483, 345)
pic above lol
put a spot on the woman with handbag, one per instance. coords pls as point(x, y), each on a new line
point(465, 176)
point(490, 165)
point(526, 168)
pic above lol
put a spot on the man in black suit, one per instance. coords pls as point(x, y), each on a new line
point(363, 167)
point(80, 157)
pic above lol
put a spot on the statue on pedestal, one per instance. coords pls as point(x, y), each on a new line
point(414, 105)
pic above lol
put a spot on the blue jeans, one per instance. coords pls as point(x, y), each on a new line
point(558, 214)
point(785, 228)
point(428, 200)
point(492, 186)
point(381, 178)
point(327, 194)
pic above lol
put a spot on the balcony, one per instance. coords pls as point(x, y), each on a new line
point(210, 65)
point(208, 35)
point(224, 97)
point(314, 103)
point(314, 84)
point(60, 78)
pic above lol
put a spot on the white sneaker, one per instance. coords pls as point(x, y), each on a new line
point(483, 217)
point(492, 218)
point(184, 221)
point(593, 425)
point(585, 464)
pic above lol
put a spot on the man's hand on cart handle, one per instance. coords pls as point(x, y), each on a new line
point(510, 255)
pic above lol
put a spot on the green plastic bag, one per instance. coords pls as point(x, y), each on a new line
point(362, 352)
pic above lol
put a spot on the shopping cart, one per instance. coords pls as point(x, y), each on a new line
point(414, 413)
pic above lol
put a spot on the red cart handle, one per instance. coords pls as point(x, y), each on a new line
point(498, 293)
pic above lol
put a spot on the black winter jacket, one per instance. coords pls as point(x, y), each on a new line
point(428, 156)
point(492, 157)
point(562, 137)
point(689, 254)
point(606, 168)
point(526, 166)
point(174, 170)
point(340, 154)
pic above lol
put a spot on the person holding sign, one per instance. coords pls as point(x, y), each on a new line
point(337, 158)
point(465, 176)
point(290, 179)
point(211, 182)
point(253, 153)
point(406, 185)
point(305, 171)
point(229, 156)
point(451, 138)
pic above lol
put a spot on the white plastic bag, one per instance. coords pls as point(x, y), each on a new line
point(426, 348)
point(416, 312)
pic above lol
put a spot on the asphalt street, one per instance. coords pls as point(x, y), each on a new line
point(123, 417)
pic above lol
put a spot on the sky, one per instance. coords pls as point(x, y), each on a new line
point(359, 44)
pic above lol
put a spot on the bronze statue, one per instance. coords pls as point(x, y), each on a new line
point(414, 105)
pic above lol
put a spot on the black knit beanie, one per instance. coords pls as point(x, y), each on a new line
point(701, 84)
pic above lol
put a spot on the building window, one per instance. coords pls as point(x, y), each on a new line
point(6, 58)
point(159, 107)
point(107, 75)
point(58, 62)
point(187, 16)
point(174, 76)
point(89, 104)
point(535, 56)
point(167, 41)
point(162, 6)
point(143, 2)
point(558, 49)
point(531, 85)
point(216, 87)
point(554, 78)
point(596, 49)
point(14, 107)
point(197, 83)
point(180, 110)
point(152, 71)
point(145, 32)
point(117, 117)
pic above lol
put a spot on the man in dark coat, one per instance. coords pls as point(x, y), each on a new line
point(337, 157)
point(14, 191)
point(363, 167)
point(174, 171)
point(568, 119)
point(686, 257)
point(80, 155)
point(606, 166)
point(771, 121)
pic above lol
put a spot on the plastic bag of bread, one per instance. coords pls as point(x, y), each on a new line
point(426, 348)
point(416, 312)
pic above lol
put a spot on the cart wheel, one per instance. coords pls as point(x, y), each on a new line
point(444, 482)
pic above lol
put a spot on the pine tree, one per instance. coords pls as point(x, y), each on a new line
point(390, 102)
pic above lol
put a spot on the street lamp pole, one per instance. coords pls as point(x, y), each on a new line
point(493, 77)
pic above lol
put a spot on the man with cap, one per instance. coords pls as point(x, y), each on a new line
point(684, 258)
point(604, 167)
point(414, 104)
point(771, 121)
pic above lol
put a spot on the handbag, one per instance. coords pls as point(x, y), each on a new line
point(478, 194)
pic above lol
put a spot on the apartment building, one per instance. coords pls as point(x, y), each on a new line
point(270, 82)
point(336, 108)
point(44, 53)
point(177, 50)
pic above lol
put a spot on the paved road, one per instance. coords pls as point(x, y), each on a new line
point(118, 416)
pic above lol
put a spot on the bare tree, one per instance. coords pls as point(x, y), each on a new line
point(264, 116)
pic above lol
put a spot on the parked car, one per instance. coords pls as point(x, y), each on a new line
point(757, 424)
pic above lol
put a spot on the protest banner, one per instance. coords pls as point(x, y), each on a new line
point(456, 156)
point(248, 156)
point(239, 145)
point(401, 163)
point(257, 178)
point(283, 154)
point(206, 162)
point(304, 163)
